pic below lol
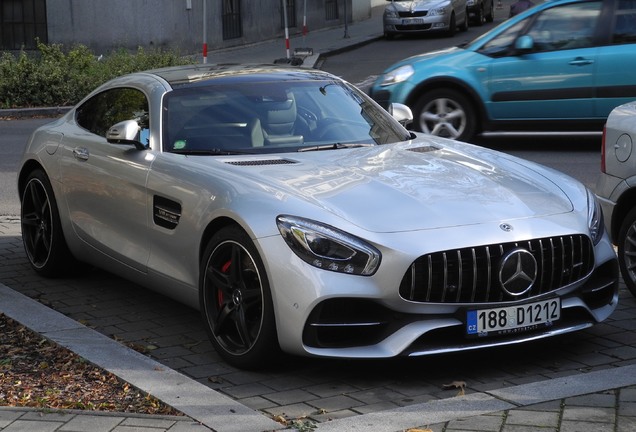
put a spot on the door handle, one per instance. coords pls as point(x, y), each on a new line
point(580, 61)
point(80, 153)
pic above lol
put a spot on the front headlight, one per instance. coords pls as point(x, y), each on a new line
point(328, 248)
point(398, 75)
point(594, 217)
point(390, 13)
point(438, 11)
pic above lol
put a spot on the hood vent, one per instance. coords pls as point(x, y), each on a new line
point(423, 149)
point(261, 162)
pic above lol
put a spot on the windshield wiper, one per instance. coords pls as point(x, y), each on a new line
point(209, 152)
point(334, 146)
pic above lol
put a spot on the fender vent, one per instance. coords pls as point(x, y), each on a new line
point(261, 162)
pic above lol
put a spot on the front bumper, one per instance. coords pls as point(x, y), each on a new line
point(327, 314)
point(416, 24)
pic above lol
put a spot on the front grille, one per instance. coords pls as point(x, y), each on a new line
point(408, 14)
point(420, 27)
point(471, 275)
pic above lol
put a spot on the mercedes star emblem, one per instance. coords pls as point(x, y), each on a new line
point(518, 272)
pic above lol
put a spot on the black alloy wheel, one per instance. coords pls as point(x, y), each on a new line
point(627, 250)
point(236, 302)
point(42, 235)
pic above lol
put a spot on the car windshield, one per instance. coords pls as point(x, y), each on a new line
point(269, 117)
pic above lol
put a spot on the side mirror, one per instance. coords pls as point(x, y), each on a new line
point(524, 43)
point(401, 113)
point(125, 132)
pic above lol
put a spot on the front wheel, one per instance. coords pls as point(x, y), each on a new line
point(627, 250)
point(445, 113)
point(452, 26)
point(236, 302)
point(42, 234)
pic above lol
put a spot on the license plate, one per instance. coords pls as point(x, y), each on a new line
point(513, 319)
point(412, 21)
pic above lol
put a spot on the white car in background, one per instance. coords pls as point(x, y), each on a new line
point(616, 186)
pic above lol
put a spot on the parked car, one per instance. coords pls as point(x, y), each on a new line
point(616, 187)
point(298, 215)
point(481, 11)
point(424, 16)
point(560, 66)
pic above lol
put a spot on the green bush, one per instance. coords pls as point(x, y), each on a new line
point(53, 77)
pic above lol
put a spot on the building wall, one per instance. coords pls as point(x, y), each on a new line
point(111, 24)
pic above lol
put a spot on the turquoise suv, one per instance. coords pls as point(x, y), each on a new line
point(561, 66)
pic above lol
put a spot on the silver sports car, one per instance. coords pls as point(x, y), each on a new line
point(300, 217)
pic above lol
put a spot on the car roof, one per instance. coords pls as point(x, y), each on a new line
point(202, 74)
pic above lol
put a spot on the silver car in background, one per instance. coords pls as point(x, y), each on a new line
point(616, 186)
point(423, 16)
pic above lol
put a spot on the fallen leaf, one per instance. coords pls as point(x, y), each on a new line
point(461, 385)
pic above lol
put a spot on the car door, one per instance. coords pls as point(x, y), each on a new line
point(616, 79)
point(104, 184)
point(555, 78)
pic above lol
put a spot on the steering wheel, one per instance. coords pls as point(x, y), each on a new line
point(307, 115)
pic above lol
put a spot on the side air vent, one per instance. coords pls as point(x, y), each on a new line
point(423, 149)
point(261, 162)
point(166, 213)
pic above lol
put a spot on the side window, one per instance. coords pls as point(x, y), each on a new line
point(113, 106)
point(565, 27)
point(501, 44)
point(625, 24)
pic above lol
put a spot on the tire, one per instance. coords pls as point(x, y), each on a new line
point(236, 302)
point(446, 113)
point(627, 250)
point(480, 17)
point(490, 14)
point(464, 26)
point(42, 235)
point(452, 26)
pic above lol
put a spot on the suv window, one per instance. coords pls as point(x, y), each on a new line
point(565, 27)
point(625, 25)
point(107, 108)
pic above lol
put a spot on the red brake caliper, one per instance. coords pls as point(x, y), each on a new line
point(225, 269)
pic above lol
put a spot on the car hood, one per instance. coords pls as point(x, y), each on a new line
point(416, 5)
point(404, 187)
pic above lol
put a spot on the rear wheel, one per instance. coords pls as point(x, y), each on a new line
point(490, 12)
point(465, 24)
point(42, 234)
point(446, 113)
point(236, 302)
point(480, 17)
point(627, 250)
